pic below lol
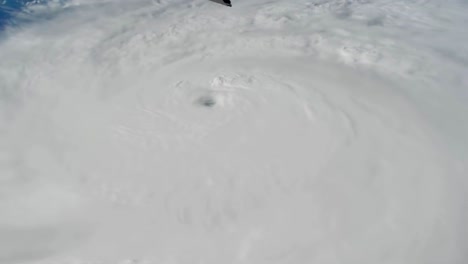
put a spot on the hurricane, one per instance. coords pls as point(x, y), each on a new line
point(255, 132)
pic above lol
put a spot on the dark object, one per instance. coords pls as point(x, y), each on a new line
point(206, 101)
point(223, 2)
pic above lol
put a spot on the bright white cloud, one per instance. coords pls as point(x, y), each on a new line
point(273, 131)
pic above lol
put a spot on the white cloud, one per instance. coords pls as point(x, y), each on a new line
point(185, 131)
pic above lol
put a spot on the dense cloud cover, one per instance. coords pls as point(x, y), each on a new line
point(183, 131)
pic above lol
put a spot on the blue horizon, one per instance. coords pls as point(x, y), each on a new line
point(8, 10)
